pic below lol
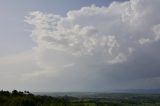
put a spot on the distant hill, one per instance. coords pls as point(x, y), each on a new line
point(98, 94)
point(139, 91)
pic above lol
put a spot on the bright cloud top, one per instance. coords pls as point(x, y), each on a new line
point(113, 32)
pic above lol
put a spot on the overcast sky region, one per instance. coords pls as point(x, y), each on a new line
point(79, 45)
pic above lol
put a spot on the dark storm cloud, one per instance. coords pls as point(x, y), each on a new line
point(144, 63)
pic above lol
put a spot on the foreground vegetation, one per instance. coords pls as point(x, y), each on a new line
point(17, 98)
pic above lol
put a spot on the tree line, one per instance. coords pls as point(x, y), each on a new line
point(19, 98)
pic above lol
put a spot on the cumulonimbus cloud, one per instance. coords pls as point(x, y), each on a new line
point(95, 35)
point(113, 31)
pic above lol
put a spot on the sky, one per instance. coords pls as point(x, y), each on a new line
point(79, 45)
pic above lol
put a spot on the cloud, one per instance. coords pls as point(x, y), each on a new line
point(99, 41)
point(14, 68)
